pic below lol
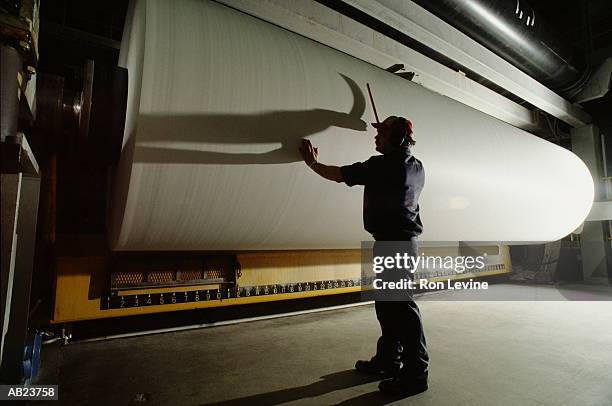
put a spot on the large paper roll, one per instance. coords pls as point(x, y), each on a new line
point(219, 101)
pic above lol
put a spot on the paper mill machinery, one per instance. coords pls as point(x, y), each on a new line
point(172, 181)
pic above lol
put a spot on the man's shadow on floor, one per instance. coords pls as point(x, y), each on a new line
point(327, 384)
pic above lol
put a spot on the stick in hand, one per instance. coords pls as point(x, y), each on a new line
point(372, 101)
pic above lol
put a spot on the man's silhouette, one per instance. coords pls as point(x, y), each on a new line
point(393, 182)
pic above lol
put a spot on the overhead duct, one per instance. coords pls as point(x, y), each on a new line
point(513, 30)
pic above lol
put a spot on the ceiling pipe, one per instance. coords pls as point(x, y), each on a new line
point(516, 32)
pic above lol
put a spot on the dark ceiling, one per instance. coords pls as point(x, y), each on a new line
point(72, 31)
point(586, 24)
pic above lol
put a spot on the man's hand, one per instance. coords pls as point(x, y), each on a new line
point(309, 153)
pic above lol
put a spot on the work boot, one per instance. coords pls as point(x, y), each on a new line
point(387, 361)
point(403, 385)
point(373, 366)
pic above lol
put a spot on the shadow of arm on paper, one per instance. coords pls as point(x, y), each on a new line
point(286, 128)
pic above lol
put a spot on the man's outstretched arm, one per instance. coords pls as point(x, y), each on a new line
point(310, 153)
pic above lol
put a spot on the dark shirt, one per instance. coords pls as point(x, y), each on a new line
point(393, 183)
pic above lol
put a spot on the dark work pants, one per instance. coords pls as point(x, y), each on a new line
point(402, 342)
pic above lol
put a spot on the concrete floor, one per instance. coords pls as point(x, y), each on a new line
point(482, 353)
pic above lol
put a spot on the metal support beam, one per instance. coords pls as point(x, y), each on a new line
point(16, 314)
point(599, 84)
point(595, 246)
point(20, 191)
point(324, 25)
point(11, 186)
point(426, 28)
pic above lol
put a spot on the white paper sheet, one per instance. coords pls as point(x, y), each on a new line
point(218, 103)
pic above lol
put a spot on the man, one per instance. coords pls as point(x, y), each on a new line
point(393, 182)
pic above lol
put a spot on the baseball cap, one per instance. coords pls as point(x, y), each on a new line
point(389, 121)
